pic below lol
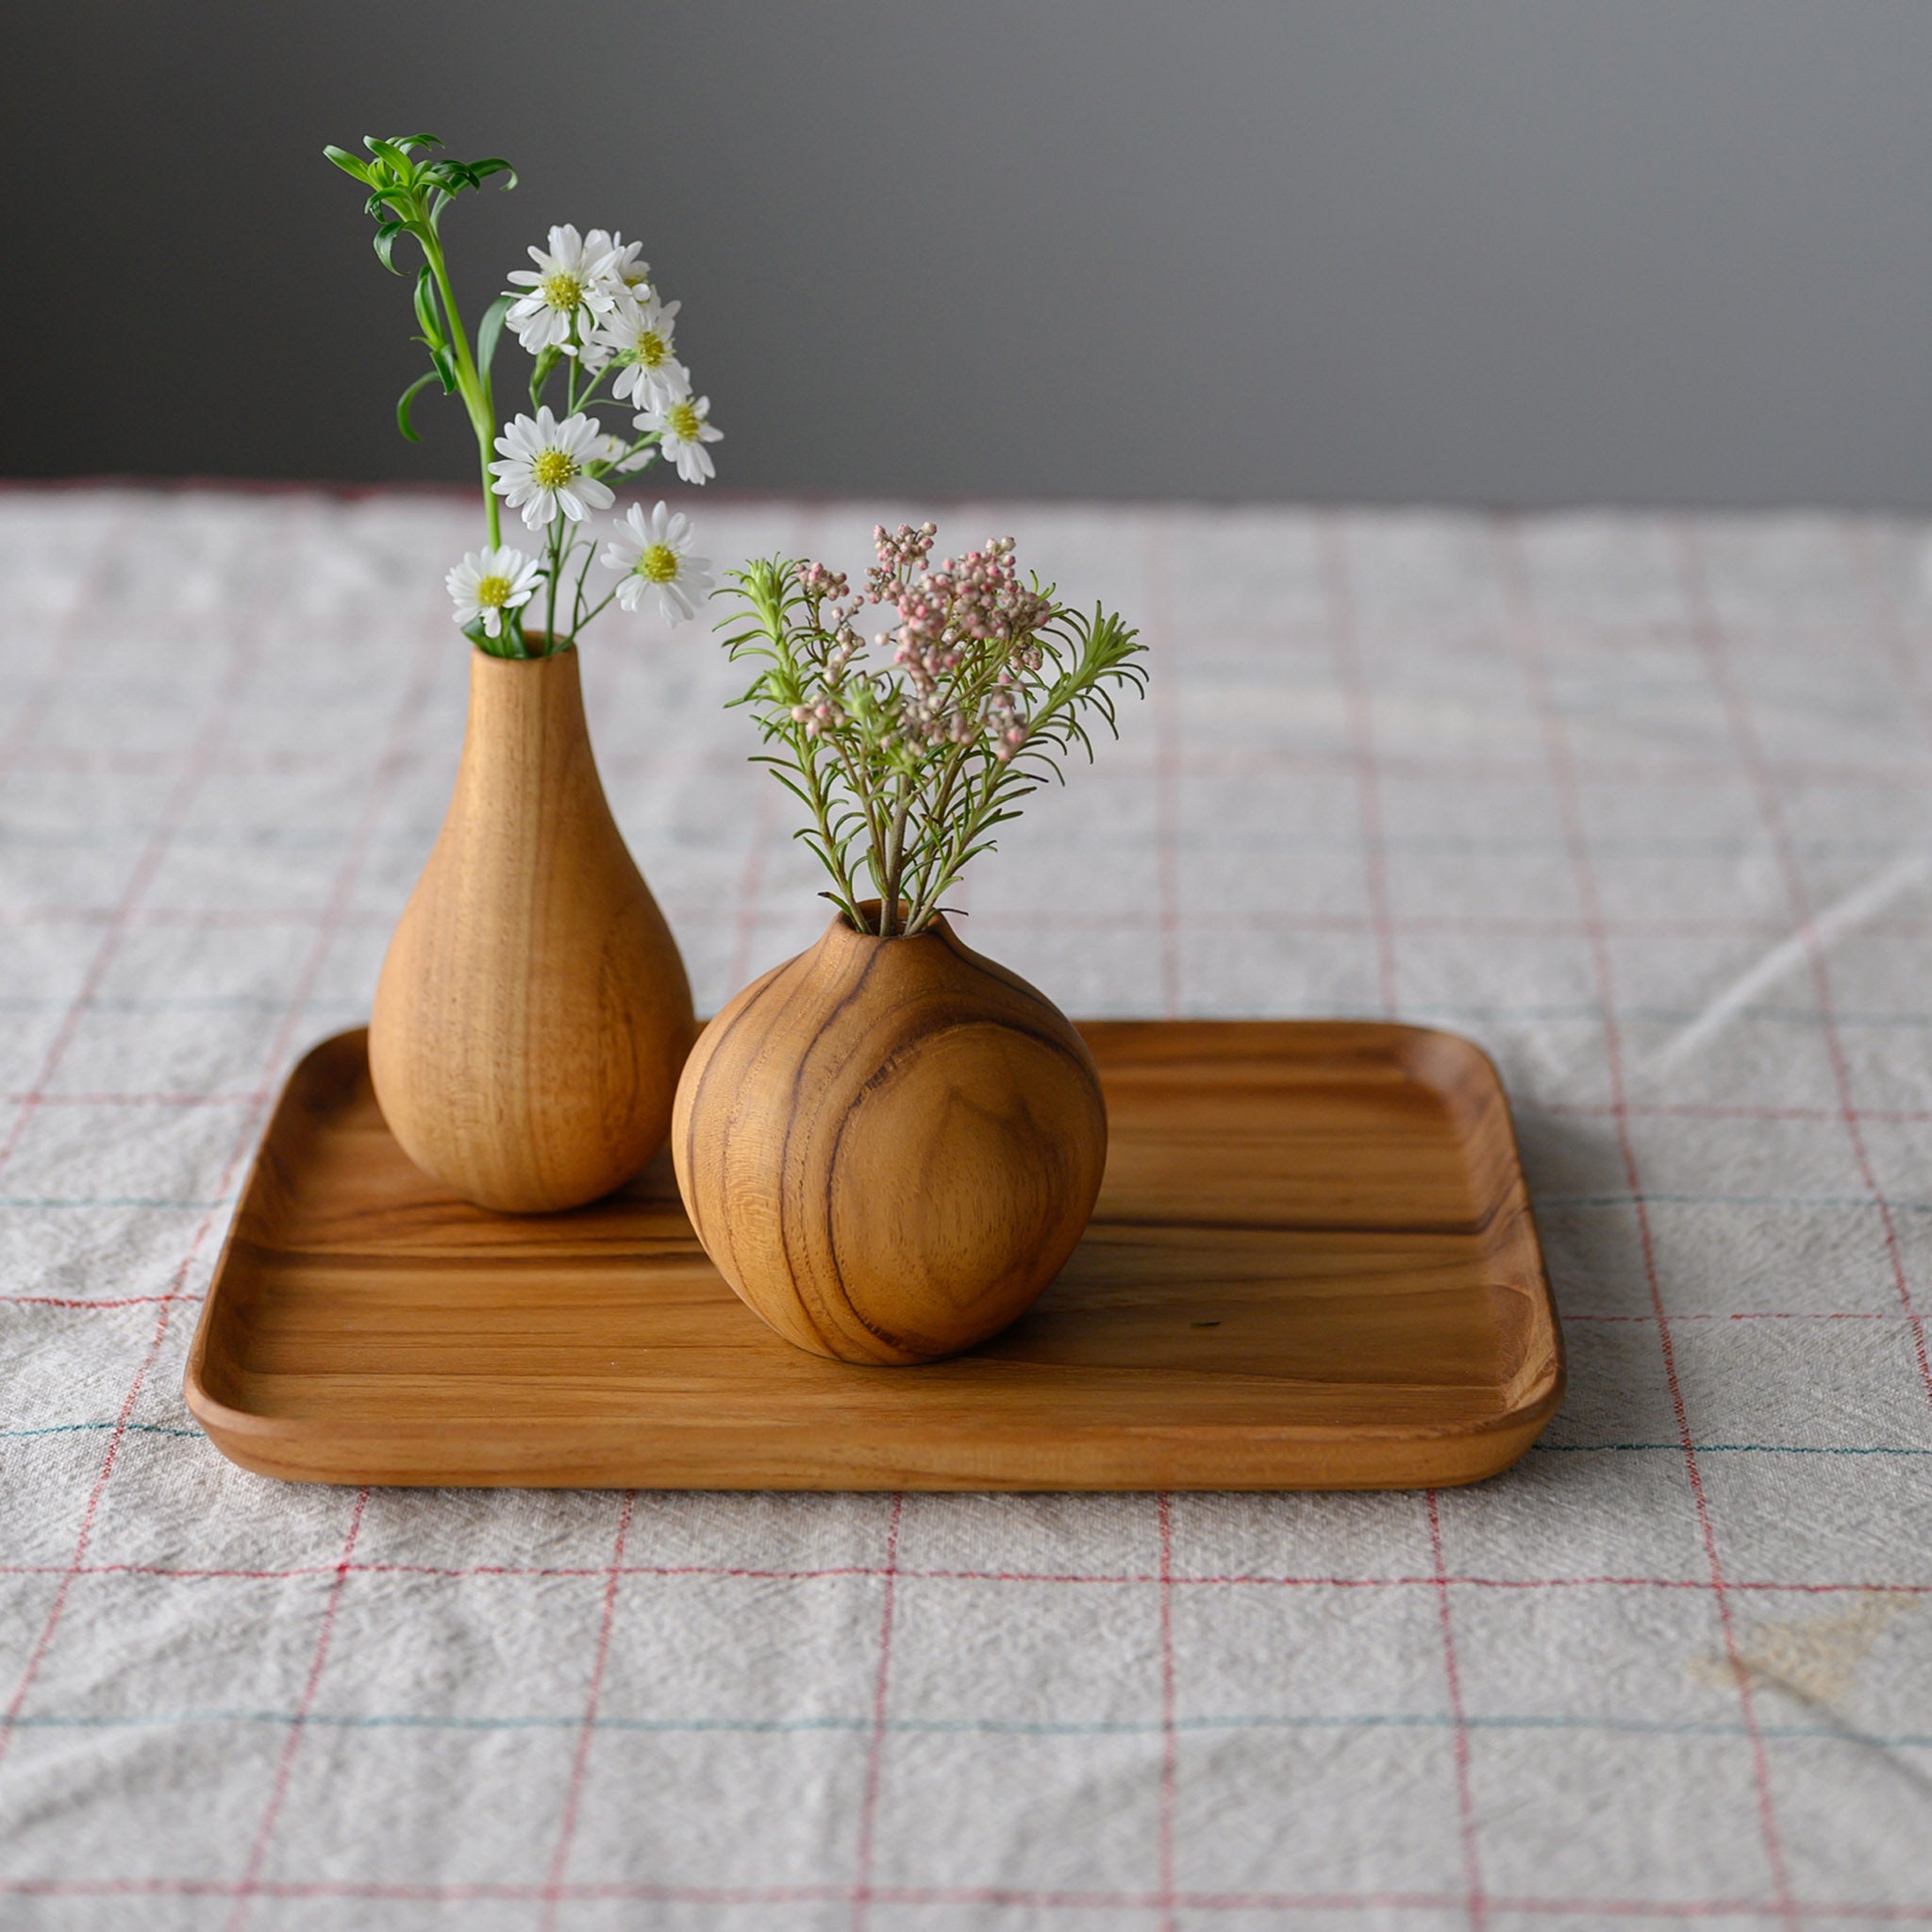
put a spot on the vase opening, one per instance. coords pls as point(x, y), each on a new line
point(537, 647)
point(869, 909)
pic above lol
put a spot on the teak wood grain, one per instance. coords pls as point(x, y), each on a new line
point(889, 1146)
point(533, 1013)
point(1312, 1265)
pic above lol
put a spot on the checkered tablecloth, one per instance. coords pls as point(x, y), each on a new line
point(1639, 805)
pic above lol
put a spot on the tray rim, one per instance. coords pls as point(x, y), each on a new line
point(299, 1448)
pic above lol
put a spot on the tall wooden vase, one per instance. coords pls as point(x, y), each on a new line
point(890, 1147)
point(533, 1013)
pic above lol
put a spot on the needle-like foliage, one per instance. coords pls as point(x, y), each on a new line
point(908, 769)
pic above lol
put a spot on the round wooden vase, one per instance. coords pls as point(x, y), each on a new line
point(533, 1012)
point(888, 1147)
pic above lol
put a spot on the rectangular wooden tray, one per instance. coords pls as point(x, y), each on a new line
point(1312, 1265)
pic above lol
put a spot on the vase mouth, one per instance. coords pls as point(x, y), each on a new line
point(869, 908)
point(531, 655)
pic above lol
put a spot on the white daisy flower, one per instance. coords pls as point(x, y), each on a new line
point(653, 556)
point(567, 286)
point(613, 450)
point(623, 274)
point(542, 468)
point(638, 332)
point(684, 433)
point(489, 582)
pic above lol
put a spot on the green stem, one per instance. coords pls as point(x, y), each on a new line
point(889, 897)
point(805, 762)
point(970, 827)
point(476, 388)
point(937, 874)
point(806, 752)
point(556, 565)
point(868, 799)
point(577, 619)
point(596, 609)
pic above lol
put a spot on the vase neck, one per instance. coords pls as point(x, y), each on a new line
point(526, 716)
point(848, 950)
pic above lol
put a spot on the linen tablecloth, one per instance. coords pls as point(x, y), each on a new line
point(1641, 804)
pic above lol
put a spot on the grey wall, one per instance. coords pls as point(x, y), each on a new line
point(1522, 251)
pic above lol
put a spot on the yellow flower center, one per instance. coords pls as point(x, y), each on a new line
point(492, 592)
point(561, 290)
point(650, 348)
point(553, 469)
point(658, 564)
point(685, 421)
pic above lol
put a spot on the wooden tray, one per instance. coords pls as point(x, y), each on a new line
point(1312, 1267)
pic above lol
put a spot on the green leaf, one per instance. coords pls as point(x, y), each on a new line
point(426, 306)
point(388, 151)
point(403, 402)
point(347, 163)
point(402, 202)
point(490, 332)
point(385, 246)
point(496, 165)
point(407, 142)
point(804, 832)
point(444, 367)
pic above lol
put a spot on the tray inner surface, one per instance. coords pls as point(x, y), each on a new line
point(1312, 1262)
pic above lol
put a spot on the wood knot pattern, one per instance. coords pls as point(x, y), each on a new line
point(890, 1147)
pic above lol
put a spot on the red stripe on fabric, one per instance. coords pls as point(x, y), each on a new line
point(1062, 1900)
point(1170, 1754)
point(1452, 1675)
point(1528, 639)
point(121, 1301)
point(580, 1758)
point(1716, 1112)
point(1233, 1579)
point(279, 1791)
point(862, 1890)
point(1749, 1315)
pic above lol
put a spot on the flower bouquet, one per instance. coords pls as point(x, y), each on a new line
point(586, 313)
